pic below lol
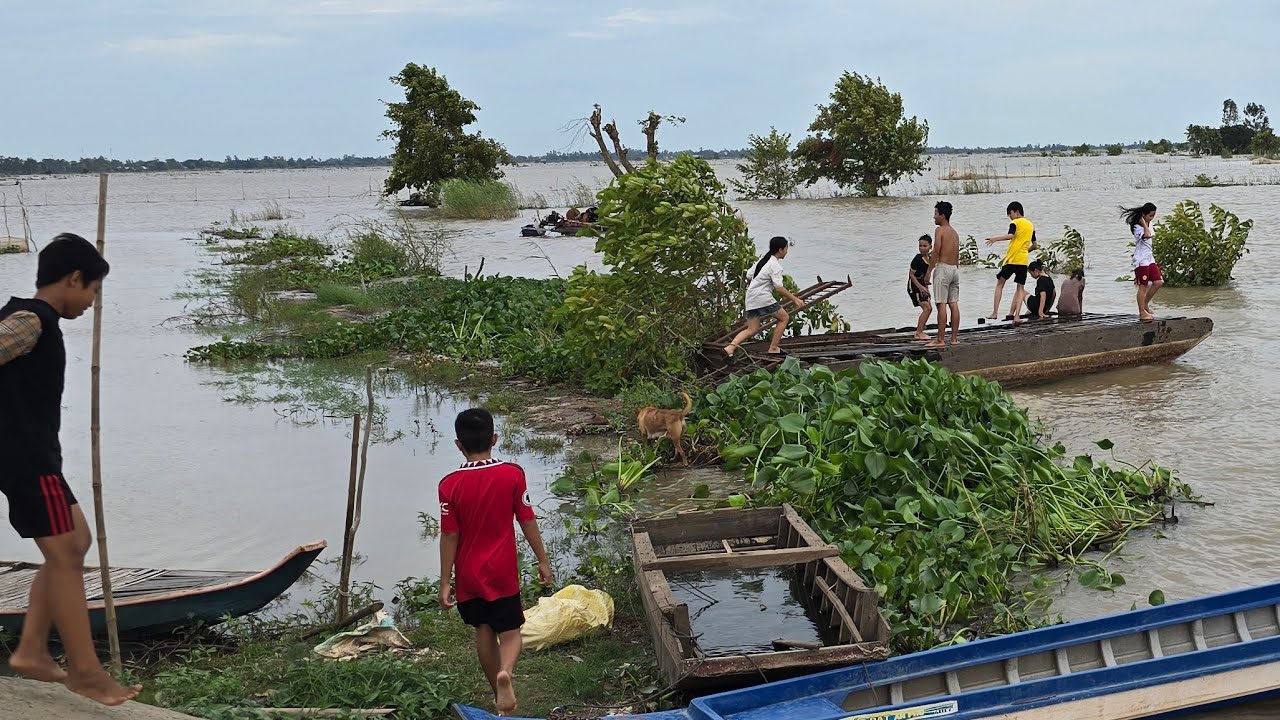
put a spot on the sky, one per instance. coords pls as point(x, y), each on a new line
point(212, 78)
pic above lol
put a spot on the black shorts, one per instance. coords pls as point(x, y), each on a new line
point(500, 615)
point(39, 505)
point(764, 311)
point(914, 294)
point(1017, 272)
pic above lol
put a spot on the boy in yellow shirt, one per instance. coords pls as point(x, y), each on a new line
point(1022, 240)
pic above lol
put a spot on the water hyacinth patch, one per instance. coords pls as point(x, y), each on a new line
point(937, 487)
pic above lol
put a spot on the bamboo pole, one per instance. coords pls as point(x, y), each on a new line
point(95, 425)
point(349, 535)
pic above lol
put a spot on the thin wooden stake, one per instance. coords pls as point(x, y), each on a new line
point(99, 516)
point(349, 535)
point(364, 447)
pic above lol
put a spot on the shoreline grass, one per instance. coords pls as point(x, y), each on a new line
point(467, 200)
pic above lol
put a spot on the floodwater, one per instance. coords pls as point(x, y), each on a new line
point(744, 611)
point(194, 480)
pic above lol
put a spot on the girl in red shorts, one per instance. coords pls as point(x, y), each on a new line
point(1146, 274)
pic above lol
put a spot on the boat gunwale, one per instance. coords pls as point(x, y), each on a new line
point(312, 547)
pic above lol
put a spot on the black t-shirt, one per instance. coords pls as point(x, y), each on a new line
point(1045, 285)
point(919, 268)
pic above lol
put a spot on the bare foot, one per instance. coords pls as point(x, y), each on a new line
point(728, 349)
point(993, 316)
point(101, 687)
point(922, 336)
point(955, 341)
point(505, 693)
point(40, 667)
point(935, 343)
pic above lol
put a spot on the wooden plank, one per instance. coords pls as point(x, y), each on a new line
point(666, 647)
point(674, 614)
point(727, 547)
point(836, 605)
point(643, 547)
point(703, 525)
point(729, 666)
point(743, 560)
point(806, 534)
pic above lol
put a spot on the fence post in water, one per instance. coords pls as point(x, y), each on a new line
point(349, 535)
point(99, 516)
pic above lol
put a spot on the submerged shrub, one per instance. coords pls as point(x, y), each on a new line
point(1190, 253)
point(469, 200)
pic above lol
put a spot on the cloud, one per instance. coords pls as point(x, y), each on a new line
point(608, 26)
point(320, 8)
point(197, 44)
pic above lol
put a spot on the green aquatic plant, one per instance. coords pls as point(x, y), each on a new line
point(1190, 253)
point(937, 488)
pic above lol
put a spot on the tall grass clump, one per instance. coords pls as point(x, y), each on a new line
point(467, 200)
point(936, 487)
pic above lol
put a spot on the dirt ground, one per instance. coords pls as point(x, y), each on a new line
point(30, 700)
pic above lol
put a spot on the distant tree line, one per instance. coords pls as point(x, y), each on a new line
point(1251, 133)
point(56, 166)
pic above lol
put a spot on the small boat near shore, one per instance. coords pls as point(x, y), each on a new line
point(152, 601)
point(1033, 351)
point(846, 612)
point(1159, 662)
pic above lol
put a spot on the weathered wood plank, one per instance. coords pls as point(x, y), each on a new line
point(703, 525)
point(809, 660)
point(742, 560)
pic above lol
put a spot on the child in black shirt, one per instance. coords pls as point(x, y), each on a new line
point(1039, 304)
point(918, 284)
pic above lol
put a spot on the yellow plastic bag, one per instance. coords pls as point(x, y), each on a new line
point(571, 613)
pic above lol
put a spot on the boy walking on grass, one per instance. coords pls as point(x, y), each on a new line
point(477, 505)
point(33, 363)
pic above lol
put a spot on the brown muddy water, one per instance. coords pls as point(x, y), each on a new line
point(195, 480)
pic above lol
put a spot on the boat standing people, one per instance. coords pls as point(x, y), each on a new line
point(1071, 301)
point(1041, 301)
point(1021, 238)
point(1146, 273)
point(33, 365)
point(477, 537)
point(945, 274)
point(763, 280)
point(918, 285)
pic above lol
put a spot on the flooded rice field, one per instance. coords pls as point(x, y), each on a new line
point(198, 476)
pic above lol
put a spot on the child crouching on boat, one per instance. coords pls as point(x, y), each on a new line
point(763, 281)
point(477, 538)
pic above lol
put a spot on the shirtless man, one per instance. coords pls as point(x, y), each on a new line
point(945, 269)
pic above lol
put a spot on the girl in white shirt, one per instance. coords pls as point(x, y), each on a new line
point(1146, 274)
point(762, 281)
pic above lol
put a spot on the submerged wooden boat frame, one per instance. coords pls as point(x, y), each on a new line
point(741, 539)
point(150, 601)
point(1035, 351)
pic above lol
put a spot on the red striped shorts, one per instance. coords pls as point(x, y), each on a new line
point(39, 506)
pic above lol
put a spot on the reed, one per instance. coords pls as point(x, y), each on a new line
point(467, 200)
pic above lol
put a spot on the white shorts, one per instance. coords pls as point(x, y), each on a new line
point(946, 284)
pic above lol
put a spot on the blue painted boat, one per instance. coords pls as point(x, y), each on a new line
point(1153, 663)
point(153, 600)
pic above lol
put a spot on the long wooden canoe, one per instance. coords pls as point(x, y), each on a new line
point(1035, 351)
point(1159, 662)
point(738, 539)
point(156, 600)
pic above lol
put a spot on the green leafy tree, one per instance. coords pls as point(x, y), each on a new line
point(1191, 253)
point(1204, 140)
point(1255, 117)
point(769, 170)
point(1083, 149)
point(1159, 147)
point(1114, 149)
point(862, 138)
point(678, 257)
point(431, 143)
point(1265, 143)
point(1230, 113)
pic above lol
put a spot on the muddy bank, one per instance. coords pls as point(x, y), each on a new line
point(30, 700)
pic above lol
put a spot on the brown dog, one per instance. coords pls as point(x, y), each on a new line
point(656, 423)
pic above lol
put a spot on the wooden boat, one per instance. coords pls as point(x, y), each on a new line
point(1157, 662)
point(152, 601)
point(736, 539)
point(1034, 351)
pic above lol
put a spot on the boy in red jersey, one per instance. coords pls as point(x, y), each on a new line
point(477, 504)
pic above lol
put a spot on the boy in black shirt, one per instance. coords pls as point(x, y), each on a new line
point(33, 362)
point(918, 284)
point(1039, 304)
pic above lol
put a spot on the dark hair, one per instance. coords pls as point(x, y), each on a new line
point(925, 238)
point(68, 253)
point(1036, 266)
point(474, 428)
point(1015, 205)
point(1133, 216)
point(1078, 273)
point(776, 243)
point(943, 207)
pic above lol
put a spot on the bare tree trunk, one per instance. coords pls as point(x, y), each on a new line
point(612, 131)
point(651, 134)
point(599, 138)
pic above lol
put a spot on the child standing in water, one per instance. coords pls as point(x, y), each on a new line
point(764, 279)
point(918, 284)
point(1146, 274)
